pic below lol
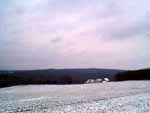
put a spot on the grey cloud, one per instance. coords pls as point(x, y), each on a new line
point(56, 39)
point(139, 28)
point(127, 29)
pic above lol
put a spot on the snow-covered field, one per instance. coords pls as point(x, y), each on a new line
point(112, 97)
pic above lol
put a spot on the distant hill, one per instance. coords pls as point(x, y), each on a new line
point(55, 76)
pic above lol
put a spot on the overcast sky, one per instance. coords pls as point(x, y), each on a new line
point(38, 34)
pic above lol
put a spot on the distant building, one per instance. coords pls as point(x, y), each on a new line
point(106, 80)
point(90, 81)
point(99, 80)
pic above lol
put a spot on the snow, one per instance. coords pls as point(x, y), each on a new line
point(111, 97)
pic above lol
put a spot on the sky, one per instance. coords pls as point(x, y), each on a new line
point(41, 34)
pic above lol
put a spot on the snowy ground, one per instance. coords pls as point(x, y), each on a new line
point(113, 97)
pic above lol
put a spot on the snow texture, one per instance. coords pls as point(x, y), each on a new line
point(111, 97)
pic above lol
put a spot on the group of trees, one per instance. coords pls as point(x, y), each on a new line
point(143, 74)
point(10, 80)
